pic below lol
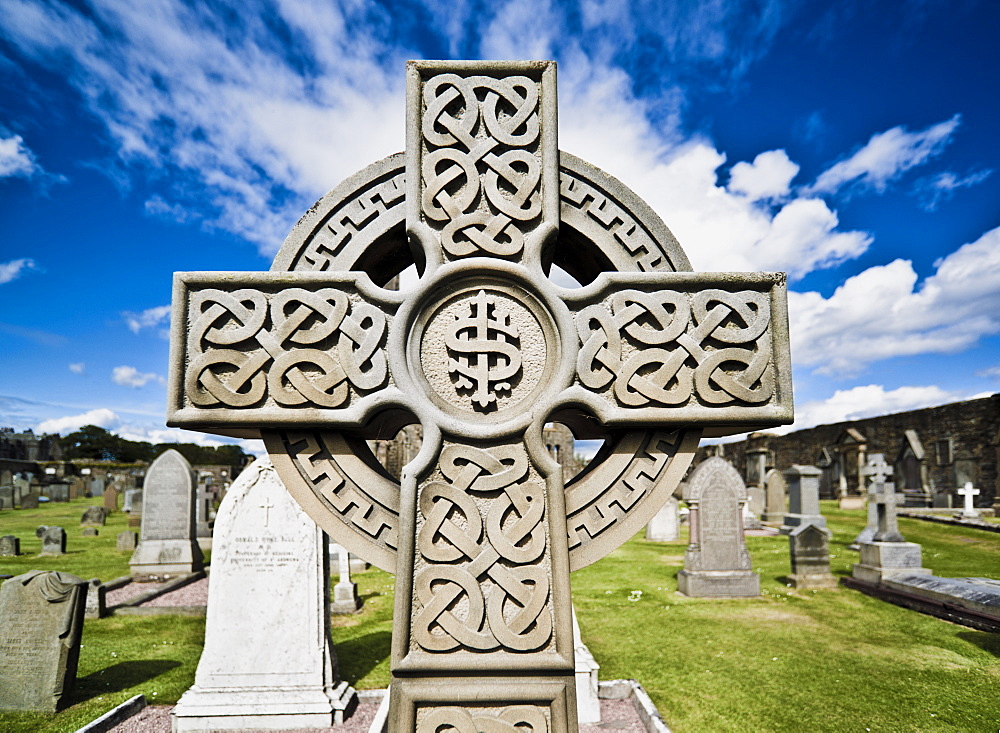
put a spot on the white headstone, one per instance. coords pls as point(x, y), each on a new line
point(665, 524)
point(345, 592)
point(268, 661)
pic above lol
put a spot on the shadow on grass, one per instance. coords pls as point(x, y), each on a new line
point(120, 677)
point(359, 656)
point(985, 640)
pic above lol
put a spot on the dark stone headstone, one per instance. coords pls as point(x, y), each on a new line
point(97, 487)
point(810, 550)
point(167, 544)
point(58, 491)
point(6, 497)
point(29, 501)
point(10, 545)
point(53, 541)
point(94, 516)
point(89, 532)
point(42, 616)
point(111, 500)
point(127, 541)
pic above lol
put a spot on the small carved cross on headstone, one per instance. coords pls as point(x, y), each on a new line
point(481, 532)
point(883, 495)
point(967, 492)
point(267, 506)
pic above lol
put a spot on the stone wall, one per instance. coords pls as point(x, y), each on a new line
point(961, 442)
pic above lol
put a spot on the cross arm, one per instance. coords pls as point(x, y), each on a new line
point(278, 349)
point(693, 349)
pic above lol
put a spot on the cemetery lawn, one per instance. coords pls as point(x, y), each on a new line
point(791, 660)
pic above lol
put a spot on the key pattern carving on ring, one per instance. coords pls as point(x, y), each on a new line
point(481, 169)
point(483, 580)
point(295, 347)
point(511, 719)
point(671, 348)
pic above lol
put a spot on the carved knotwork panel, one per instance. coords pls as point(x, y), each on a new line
point(510, 719)
point(482, 150)
point(481, 570)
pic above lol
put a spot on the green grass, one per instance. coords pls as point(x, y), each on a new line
point(833, 660)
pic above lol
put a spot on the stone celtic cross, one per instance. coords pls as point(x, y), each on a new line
point(882, 495)
point(316, 356)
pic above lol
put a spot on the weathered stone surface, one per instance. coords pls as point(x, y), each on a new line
point(665, 526)
point(483, 350)
point(167, 544)
point(809, 546)
point(268, 663)
point(10, 545)
point(29, 501)
point(57, 492)
point(888, 559)
point(6, 497)
point(975, 594)
point(94, 516)
point(42, 615)
point(717, 562)
point(345, 592)
point(127, 541)
point(89, 532)
point(53, 540)
point(775, 490)
point(803, 498)
point(96, 606)
point(111, 495)
point(133, 501)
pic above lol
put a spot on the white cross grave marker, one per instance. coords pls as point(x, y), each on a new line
point(968, 493)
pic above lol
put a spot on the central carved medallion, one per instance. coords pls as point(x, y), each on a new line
point(484, 348)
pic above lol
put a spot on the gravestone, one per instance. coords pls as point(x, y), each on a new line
point(89, 532)
point(10, 545)
point(29, 501)
point(483, 350)
point(94, 516)
point(167, 544)
point(58, 491)
point(111, 499)
point(96, 606)
point(876, 471)
point(127, 541)
point(757, 501)
point(76, 487)
point(132, 503)
point(665, 526)
point(53, 540)
point(803, 498)
point(756, 458)
point(776, 489)
point(268, 663)
point(588, 704)
point(809, 546)
point(6, 497)
point(22, 489)
point(717, 563)
point(969, 510)
point(345, 592)
point(202, 509)
point(97, 487)
point(42, 616)
point(887, 554)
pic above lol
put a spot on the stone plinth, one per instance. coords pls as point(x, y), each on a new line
point(887, 559)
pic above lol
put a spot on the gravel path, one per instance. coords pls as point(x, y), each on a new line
point(192, 594)
point(128, 592)
point(617, 715)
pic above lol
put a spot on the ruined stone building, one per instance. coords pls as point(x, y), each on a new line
point(934, 451)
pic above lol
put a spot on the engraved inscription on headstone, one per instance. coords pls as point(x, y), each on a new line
point(42, 616)
point(483, 351)
point(269, 663)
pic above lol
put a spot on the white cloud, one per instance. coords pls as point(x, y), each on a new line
point(78, 367)
point(101, 417)
point(156, 206)
point(768, 177)
point(886, 156)
point(129, 376)
point(15, 158)
point(992, 372)
point(13, 269)
point(867, 401)
point(941, 187)
point(149, 318)
point(882, 313)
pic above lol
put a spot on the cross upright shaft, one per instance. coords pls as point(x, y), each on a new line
point(483, 351)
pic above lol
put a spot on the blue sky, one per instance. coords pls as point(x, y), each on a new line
point(850, 143)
